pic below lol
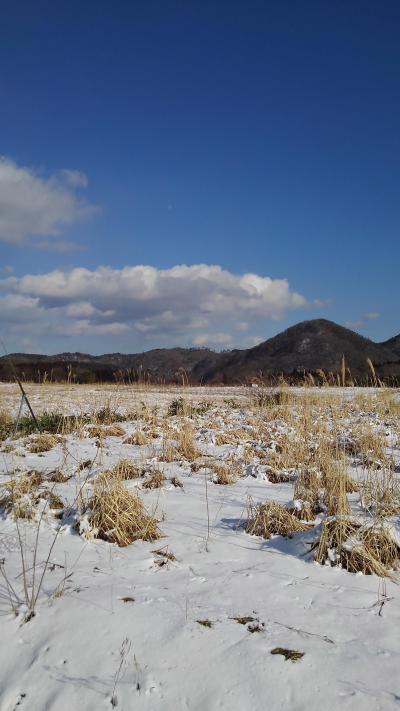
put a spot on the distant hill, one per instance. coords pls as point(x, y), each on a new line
point(393, 344)
point(308, 347)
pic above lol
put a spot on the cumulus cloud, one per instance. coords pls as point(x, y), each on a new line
point(32, 206)
point(199, 304)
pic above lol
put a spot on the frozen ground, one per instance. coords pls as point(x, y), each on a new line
point(87, 643)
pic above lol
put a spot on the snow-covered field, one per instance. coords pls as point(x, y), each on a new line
point(132, 628)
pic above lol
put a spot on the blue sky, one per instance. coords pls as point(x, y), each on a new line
point(259, 137)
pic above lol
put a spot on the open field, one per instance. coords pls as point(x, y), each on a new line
point(200, 548)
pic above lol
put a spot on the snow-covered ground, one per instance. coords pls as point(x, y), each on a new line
point(120, 626)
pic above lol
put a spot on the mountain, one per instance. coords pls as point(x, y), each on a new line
point(308, 347)
point(393, 344)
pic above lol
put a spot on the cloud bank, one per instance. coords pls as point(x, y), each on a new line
point(33, 207)
point(192, 305)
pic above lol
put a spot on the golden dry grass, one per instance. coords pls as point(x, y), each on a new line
point(185, 444)
point(43, 443)
point(270, 519)
point(117, 515)
point(107, 431)
point(138, 438)
point(358, 549)
point(380, 493)
point(224, 474)
point(125, 469)
point(302, 510)
point(21, 495)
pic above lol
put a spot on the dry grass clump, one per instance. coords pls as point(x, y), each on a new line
point(270, 519)
point(21, 495)
point(276, 476)
point(16, 495)
point(370, 550)
point(302, 510)
point(338, 484)
point(57, 476)
point(109, 431)
point(224, 475)
point(126, 470)
point(43, 443)
point(138, 438)
point(179, 407)
point(186, 446)
point(6, 425)
point(369, 445)
point(168, 452)
point(307, 489)
point(290, 452)
point(23, 484)
point(155, 480)
point(117, 515)
point(380, 494)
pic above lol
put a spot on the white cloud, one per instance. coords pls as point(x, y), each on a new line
point(198, 304)
point(354, 324)
point(361, 323)
point(74, 178)
point(33, 206)
point(372, 315)
point(207, 339)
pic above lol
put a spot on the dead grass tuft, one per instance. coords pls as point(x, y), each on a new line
point(168, 452)
point(302, 510)
point(58, 477)
point(155, 480)
point(224, 475)
point(21, 495)
point(118, 515)
point(370, 550)
point(110, 431)
point(43, 443)
point(276, 476)
point(138, 438)
point(186, 447)
point(380, 494)
point(290, 654)
point(126, 470)
point(271, 519)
